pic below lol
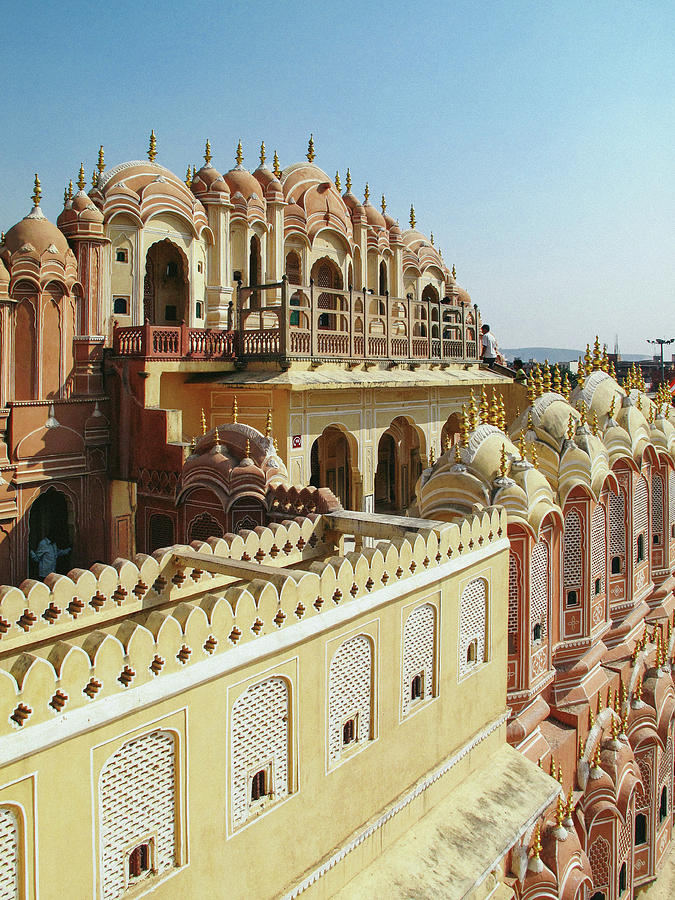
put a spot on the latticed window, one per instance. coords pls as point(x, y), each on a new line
point(350, 687)
point(598, 855)
point(572, 554)
point(640, 524)
point(293, 269)
point(657, 509)
point(260, 740)
point(203, 527)
point(9, 854)
point(514, 600)
point(419, 638)
point(161, 532)
point(472, 625)
point(598, 548)
point(617, 531)
point(137, 791)
point(539, 579)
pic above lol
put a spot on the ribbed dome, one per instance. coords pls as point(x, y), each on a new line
point(37, 235)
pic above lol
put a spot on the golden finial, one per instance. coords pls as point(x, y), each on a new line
point(560, 774)
point(614, 729)
point(547, 377)
point(310, 149)
point(566, 387)
point(473, 412)
point(432, 456)
point(588, 360)
point(638, 689)
point(263, 155)
point(560, 812)
point(624, 692)
point(530, 423)
point(604, 363)
point(94, 178)
point(503, 464)
point(596, 755)
point(458, 453)
point(188, 177)
point(431, 237)
point(275, 165)
point(536, 842)
point(624, 720)
point(81, 181)
point(454, 271)
point(612, 370)
point(384, 204)
point(413, 220)
point(348, 181)
point(502, 413)
point(65, 196)
point(530, 387)
point(538, 381)
point(235, 410)
point(152, 149)
point(248, 448)
point(534, 458)
point(70, 190)
point(446, 443)
point(493, 413)
point(366, 193)
point(216, 438)
point(610, 411)
point(521, 445)
point(464, 426)
point(591, 717)
point(597, 358)
point(37, 191)
point(651, 415)
point(338, 183)
point(276, 445)
point(581, 372)
point(583, 411)
point(484, 406)
point(599, 702)
point(240, 154)
point(194, 172)
point(594, 423)
point(570, 804)
point(203, 422)
point(638, 404)
point(557, 384)
point(193, 444)
point(581, 748)
point(207, 153)
point(268, 424)
point(101, 160)
point(552, 767)
point(570, 427)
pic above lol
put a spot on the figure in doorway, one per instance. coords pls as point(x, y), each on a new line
point(46, 556)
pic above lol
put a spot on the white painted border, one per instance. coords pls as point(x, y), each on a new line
point(22, 842)
point(132, 700)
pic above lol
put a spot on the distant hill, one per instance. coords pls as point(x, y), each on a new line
point(554, 354)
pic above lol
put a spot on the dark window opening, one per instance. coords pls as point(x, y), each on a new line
point(172, 269)
point(513, 643)
point(572, 598)
point(640, 829)
point(348, 732)
point(663, 806)
point(598, 585)
point(623, 878)
point(199, 309)
point(672, 531)
point(656, 539)
point(259, 785)
point(598, 895)
point(472, 652)
point(121, 306)
point(616, 565)
point(536, 633)
point(171, 313)
point(200, 267)
point(416, 688)
point(641, 548)
point(139, 860)
point(121, 256)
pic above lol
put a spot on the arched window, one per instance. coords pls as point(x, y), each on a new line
point(640, 829)
point(203, 527)
point(663, 805)
point(623, 878)
point(416, 688)
point(616, 565)
point(293, 268)
point(254, 270)
point(640, 548)
point(539, 590)
point(9, 854)
point(383, 278)
point(598, 548)
point(472, 653)
point(472, 626)
point(350, 690)
point(419, 643)
point(137, 798)
point(572, 556)
point(260, 735)
point(640, 518)
point(536, 633)
point(161, 532)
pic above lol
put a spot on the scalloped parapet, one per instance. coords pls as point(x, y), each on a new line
point(80, 638)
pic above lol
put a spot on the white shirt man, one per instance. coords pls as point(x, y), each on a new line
point(488, 346)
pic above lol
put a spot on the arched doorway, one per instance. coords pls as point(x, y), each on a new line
point(383, 278)
point(331, 464)
point(51, 516)
point(166, 289)
point(385, 474)
point(254, 270)
point(450, 432)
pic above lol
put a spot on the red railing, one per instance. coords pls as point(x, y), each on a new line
point(173, 342)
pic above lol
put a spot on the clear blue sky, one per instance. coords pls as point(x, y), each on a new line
point(535, 139)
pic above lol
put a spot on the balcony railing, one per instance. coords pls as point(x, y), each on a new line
point(304, 322)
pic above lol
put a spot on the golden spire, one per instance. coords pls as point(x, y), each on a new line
point(612, 370)
point(366, 193)
point(582, 748)
point(94, 178)
point(207, 152)
point(552, 767)
point(594, 423)
point(638, 403)
point(216, 438)
point(566, 387)
point(581, 372)
point(65, 195)
point(458, 453)
point(604, 364)
point(502, 413)
point(275, 165)
point(338, 183)
point(560, 774)
point(431, 237)
point(614, 728)
point(203, 422)
point(454, 271)
point(560, 812)
point(348, 181)
point(588, 360)
point(570, 804)
point(547, 377)
point(194, 172)
point(101, 160)
point(268, 424)
point(81, 181)
point(557, 384)
point(521, 445)
point(446, 443)
point(70, 190)
point(384, 204)
point(248, 448)
point(638, 689)
point(530, 387)
point(596, 755)
point(193, 444)
point(473, 412)
point(311, 155)
point(152, 149)
point(570, 427)
point(188, 177)
point(263, 155)
point(432, 456)
point(599, 702)
point(591, 718)
point(582, 410)
point(503, 464)
point(493, 414)
point(534, 459)
point(484, 406)
point(464, 426)
point(597, 358)
point(610, 411)
point(530, 423)
point(536, 842)
point(235, 410)
point(538, 381)
point(37, 191)
point(651, 415)
point(413, 220)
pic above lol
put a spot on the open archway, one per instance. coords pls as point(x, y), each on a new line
point(399, 465)
point(51, 516)
point(331, 463)
point(450, 432)
point(166, 286)
point(385, 474)
point(326, 274)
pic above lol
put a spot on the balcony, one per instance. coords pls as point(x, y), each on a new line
point(285, 322)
